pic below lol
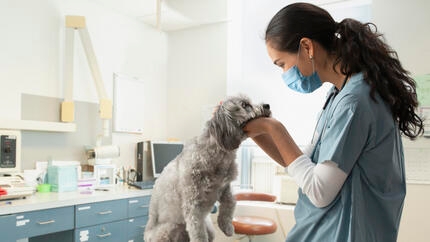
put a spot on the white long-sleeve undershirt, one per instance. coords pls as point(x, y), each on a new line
point(320, 182)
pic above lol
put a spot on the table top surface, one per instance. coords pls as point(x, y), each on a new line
point(40, 201)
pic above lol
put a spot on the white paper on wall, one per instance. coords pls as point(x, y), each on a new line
point(128, 102)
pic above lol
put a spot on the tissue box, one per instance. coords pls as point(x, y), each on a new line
point(63, 178)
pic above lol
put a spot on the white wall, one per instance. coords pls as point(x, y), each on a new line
point(31, 59)
point(413, 224)
point(405, 27)
point(196, 81)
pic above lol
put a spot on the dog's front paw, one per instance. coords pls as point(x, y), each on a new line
point(226, 227)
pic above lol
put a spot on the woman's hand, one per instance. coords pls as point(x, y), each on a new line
point(259, 130)
point(274, 139)
point(259, 126)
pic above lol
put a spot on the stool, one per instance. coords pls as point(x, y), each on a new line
point(254, 225)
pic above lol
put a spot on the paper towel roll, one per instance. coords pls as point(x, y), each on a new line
point(102, 152)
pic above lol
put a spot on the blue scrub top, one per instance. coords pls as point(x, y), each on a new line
point(362, 137)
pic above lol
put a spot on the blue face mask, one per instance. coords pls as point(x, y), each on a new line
point(296, 81)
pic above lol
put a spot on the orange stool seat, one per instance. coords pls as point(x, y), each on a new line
point(251, 225)
point(254, 196)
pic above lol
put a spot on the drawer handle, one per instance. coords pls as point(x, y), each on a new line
point(46, 222)
point(104, 235)
point(105, 212)
point(143, 226)
point(144, 206)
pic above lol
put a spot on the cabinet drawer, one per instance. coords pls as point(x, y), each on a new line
point(101, 212)
point(40, 222)
point(135, 228)
point(138, 206)
point(109, 232)
point(7, 223)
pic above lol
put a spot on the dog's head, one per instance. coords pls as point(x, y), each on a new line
point(231, 116)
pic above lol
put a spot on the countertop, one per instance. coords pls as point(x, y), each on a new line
point(39, 201)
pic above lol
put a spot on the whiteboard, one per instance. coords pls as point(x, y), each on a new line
point(128, 104)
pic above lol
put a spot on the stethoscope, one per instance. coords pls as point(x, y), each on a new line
point(329, 99)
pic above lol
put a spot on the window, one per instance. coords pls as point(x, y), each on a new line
point(257, 171)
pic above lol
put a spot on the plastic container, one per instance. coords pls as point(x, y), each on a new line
point(63, 178)
point(44, 187)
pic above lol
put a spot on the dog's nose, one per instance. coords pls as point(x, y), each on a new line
point(266, 106)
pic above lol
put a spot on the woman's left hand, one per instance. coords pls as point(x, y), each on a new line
point(258, 126)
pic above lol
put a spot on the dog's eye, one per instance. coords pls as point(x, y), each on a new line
point(246, 105)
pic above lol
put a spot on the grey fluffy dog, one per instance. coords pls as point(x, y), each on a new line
point(200, 175)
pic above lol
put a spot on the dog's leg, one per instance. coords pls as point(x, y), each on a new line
point(210, 228)
point(166, 232)
point(226, 210)
point(152, 222)
point(195, 222)
point(196, 226)
point(149, 229)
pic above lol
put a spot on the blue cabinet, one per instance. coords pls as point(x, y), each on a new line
point(7, 224)
point(30, 224)
point(135, 228)
point(44, 221)
point(138, 206)
point(108, 232)
point(116, 221)
point(101, 212)
point(138, 209)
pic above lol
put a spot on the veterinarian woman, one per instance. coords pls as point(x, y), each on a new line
point(351, 178)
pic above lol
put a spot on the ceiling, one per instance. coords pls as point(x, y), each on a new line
point(174, 14)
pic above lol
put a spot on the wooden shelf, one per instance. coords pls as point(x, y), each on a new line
point(32, 125)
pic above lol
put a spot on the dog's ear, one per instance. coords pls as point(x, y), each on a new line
point(225, 132)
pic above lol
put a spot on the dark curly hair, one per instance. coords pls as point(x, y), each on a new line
point(357, 47)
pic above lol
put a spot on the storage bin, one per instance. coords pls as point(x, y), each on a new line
point(63, 178)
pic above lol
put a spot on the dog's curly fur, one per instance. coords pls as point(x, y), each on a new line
point(200, 175)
